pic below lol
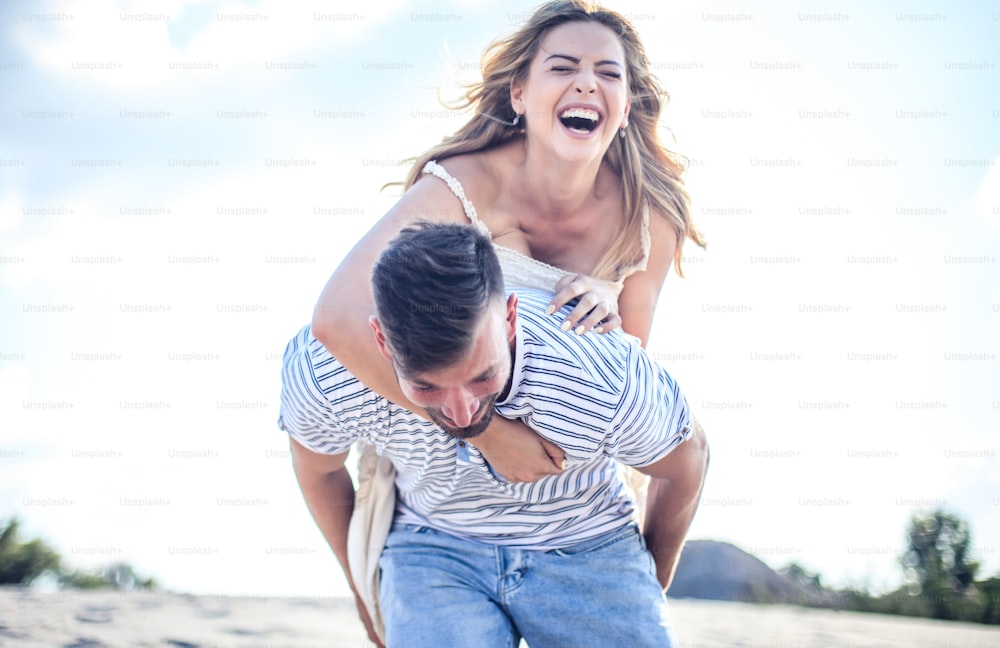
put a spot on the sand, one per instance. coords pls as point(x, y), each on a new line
point(146, 619)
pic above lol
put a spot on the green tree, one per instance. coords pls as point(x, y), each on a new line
point(989, 593)
point(23, 562)
point(78, 579)
point(800, 576)
point(119, 576)
point(938, 562)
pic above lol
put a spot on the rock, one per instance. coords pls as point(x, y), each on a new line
point(720, 571)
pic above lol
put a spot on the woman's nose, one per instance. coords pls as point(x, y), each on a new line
point(586, 83)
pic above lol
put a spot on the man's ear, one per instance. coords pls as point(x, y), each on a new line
point(379, 337)
point(511, 317)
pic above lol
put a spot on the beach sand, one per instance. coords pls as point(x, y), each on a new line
point(97, 619)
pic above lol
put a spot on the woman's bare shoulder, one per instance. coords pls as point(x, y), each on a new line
point(661, 227)
point(483, 174)
point(430, 198)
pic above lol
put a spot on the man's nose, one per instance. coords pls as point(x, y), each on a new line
point(460, 408)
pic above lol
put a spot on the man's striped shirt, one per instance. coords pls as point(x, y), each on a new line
point(598, 396)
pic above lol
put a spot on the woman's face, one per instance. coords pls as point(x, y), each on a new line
point(575, 97)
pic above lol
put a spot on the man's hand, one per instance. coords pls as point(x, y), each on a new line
point(517, 453)
point(367, 620)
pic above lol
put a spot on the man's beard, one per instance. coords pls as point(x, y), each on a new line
point(470, 431)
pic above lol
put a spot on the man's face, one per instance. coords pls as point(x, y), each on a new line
point(460, 398)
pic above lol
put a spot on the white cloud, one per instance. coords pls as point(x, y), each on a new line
point(988, 196)
point(10, 211)
point(126, 46)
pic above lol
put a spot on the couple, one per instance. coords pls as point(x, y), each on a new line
point(471, 559)
point(562, 163)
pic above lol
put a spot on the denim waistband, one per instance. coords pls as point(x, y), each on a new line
point(630, 530)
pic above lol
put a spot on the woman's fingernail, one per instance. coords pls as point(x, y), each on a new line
point(564, 464)
point(580, 329)
point(550, 310)
point(565, 325)
point(598, 329)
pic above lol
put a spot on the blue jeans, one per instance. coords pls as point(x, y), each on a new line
point(439, 590)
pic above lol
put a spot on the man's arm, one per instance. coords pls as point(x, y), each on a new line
point(674, 494)
point(329, 494)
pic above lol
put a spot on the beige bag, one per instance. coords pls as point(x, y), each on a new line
point(374, 505)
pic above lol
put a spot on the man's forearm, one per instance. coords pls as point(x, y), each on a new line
point(674, 494)
point(330, 499)
point(329, 494)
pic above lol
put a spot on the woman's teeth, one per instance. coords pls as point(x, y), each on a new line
point(580, 120)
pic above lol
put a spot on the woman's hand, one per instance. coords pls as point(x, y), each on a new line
point(596, 309)
point(517, 453)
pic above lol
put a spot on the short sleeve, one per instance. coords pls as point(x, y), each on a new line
point(652, 417)
point(312, 382)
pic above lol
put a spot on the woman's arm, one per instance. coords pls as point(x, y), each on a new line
point(340, 323)
point(637, 302)
point(340, 320)
point(604, 306)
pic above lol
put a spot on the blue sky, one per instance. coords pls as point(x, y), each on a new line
point(177, 181)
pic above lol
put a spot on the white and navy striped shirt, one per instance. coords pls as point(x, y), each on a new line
point(599, 397)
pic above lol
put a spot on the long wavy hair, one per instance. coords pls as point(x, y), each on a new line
point(650, 173)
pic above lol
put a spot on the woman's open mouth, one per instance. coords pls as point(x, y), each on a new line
point(582, 121)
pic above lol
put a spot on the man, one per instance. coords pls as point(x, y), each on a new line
point(472, 560)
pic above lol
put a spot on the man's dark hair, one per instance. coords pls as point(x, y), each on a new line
point(432, 284)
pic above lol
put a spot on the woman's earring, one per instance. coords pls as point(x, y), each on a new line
point(621, 132)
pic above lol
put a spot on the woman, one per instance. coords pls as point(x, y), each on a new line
point(599, 200)
point(562, 163)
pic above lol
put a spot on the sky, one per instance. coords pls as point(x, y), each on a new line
point(179, 179)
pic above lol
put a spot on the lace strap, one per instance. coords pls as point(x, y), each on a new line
point(436, 169)
point(644, 245)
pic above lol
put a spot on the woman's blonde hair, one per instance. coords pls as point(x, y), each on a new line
point(650, 173)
